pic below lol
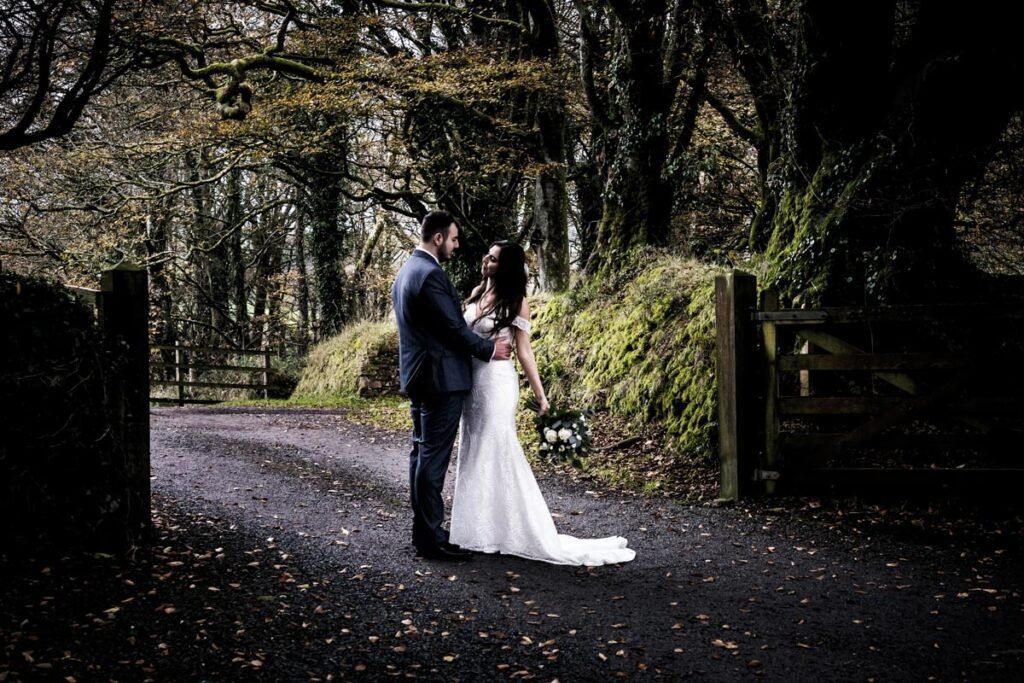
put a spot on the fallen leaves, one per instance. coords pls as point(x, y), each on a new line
point(201, 619)
point(297, 622)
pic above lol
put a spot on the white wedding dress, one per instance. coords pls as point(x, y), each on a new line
point(498, 506)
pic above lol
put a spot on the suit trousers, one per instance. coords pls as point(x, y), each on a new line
point(435, 421)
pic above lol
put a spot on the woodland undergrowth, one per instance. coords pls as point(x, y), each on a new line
point(635, 349)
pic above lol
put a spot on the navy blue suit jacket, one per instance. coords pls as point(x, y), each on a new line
point(435, 344)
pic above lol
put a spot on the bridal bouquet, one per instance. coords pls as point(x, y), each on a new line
point(564, 434)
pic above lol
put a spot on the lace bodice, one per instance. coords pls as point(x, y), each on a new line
point(485, 325)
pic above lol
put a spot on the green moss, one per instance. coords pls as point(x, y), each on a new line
point(335, 366)
point(640, 344)
point(808, 240)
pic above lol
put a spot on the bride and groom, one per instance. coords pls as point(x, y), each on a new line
point(455, 367)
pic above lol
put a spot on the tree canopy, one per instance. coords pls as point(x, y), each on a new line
point(268, 160)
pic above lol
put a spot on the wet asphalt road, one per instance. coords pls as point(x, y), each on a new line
point(716, 593)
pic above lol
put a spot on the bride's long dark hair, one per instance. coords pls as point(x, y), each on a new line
point(509, 284)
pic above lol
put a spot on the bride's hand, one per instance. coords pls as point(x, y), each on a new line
point(544, 407)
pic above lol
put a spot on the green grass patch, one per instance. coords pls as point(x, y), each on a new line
point(386, 412)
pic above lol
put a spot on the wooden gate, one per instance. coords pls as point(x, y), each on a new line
point(865, 396)
point(183, 367)
point(197, 367)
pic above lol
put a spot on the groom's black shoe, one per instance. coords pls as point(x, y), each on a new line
point(457, 549)
point(445, 552)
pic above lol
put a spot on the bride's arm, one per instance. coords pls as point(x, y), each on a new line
point(525, 354)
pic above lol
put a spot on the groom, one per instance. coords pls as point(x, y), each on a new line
point(435, 368)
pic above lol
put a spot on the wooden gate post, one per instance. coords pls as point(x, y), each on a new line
point(179, 376)
point(124, 312)
point(266, 373)
point(770, 347)
point(735, 303)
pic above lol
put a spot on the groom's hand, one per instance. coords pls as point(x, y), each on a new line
point(502, 349)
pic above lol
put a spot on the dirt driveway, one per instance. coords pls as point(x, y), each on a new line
point(715, 593)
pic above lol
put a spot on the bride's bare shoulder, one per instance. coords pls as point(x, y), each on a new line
point(524, 310)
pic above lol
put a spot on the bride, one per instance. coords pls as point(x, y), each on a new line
point(498, 506)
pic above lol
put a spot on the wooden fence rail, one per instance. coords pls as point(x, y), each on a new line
point(184, 366)
point(808, 395)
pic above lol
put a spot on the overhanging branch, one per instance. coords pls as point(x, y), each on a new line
point(464, 11)
point(233, 95)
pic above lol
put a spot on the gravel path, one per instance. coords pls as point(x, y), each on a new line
point(715, 593)
point(281, 553)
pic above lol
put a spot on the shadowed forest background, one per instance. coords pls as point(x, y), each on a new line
point(267, 164)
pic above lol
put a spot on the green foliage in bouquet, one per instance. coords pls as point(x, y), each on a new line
point(564, 435)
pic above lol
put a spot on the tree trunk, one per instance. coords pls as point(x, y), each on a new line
point(589, 175)
point(637, 200)
point(551, 201)
point(302, 284)
point(272, 265)
point(654, 45)
point(326, 249)
point(217, 242)
point(888, 111)
point(158, 250)
point(262, 278)
point(236, 260)
point(362, 303)
point(552, 226)
point(199, 236)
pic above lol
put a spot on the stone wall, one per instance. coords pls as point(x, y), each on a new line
point(379, 374)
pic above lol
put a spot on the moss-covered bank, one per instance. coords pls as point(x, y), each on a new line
point(360, 361)
point(640, 344)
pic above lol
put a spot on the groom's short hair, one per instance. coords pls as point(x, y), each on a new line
point(435, 222)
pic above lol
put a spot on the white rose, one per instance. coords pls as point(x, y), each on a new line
point(564, 434)
point(544, 446)
point(550, 435)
